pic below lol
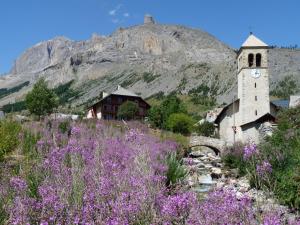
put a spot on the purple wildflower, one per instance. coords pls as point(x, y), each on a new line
point(264, 168)
point(249, 151)
point(272, 219)
point(18, 184)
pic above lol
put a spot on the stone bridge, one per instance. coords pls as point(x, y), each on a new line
point(215, 144)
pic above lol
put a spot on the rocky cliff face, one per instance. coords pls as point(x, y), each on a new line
point(146, 59)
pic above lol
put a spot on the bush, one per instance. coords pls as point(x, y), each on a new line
point(175, 172)
point(9, 136)
point(233, 158)
point(155, 116)
point(180, 123)
point(64, 126)
point(158, 115)
point(206, 129)
point(29, 142)
point(128, 110)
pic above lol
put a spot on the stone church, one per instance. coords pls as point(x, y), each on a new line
point(251, 111)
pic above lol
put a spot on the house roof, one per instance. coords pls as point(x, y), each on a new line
point(123, 91)
point(119, 91)
point(281, 103)
point(265, 117)
point(253, 41)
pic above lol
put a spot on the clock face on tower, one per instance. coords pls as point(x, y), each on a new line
point(255, 73)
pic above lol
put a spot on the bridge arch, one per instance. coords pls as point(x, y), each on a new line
point(217, 145)
point(214, 149)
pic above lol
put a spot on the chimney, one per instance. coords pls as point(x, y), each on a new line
point(148, 19)
point(104, 94)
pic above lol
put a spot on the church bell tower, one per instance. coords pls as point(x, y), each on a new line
point(253, 80)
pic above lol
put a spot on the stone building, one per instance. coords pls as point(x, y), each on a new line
point(107, 108)
point(294, 101)
point(247, 116)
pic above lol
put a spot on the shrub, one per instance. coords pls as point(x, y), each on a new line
point(155, 116)
point(180, 123)
point(128, 110)
point(175, 171)
point(9, 136)
point(41, 100)
point(158, 115)
point(29, 142)
point(64, 126)
point(233, 157)
point(206, 129)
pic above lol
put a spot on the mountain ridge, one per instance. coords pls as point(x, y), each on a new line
point(146, 59)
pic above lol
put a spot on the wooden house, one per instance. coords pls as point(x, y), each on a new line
point(107, 108)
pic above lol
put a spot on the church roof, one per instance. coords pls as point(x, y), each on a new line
point(253, 41)
point(218, 119)
point(263, 118)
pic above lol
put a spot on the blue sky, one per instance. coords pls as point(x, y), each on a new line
point(24, 23)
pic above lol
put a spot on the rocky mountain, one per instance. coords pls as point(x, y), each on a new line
point(146, 59)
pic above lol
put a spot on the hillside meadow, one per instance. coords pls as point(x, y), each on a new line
point(95, 172)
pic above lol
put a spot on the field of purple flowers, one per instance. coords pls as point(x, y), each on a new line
point(100, 173)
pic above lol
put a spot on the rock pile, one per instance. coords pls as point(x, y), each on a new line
point(207, 172)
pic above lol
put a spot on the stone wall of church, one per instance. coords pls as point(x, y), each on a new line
point(251, 132)
point(228, 120)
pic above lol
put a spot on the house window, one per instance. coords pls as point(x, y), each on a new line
point(105, 107)
point(255, 98)
point(255, 112)
point(250, 59)
point(258, 60)
point(108, 99)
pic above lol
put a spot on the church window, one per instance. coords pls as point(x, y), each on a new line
point(255, 112)
point(255, 85)
point(255, 98)
point(258, 60)
point(250, 59)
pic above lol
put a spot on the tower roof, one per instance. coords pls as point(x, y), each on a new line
point(253, 41)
